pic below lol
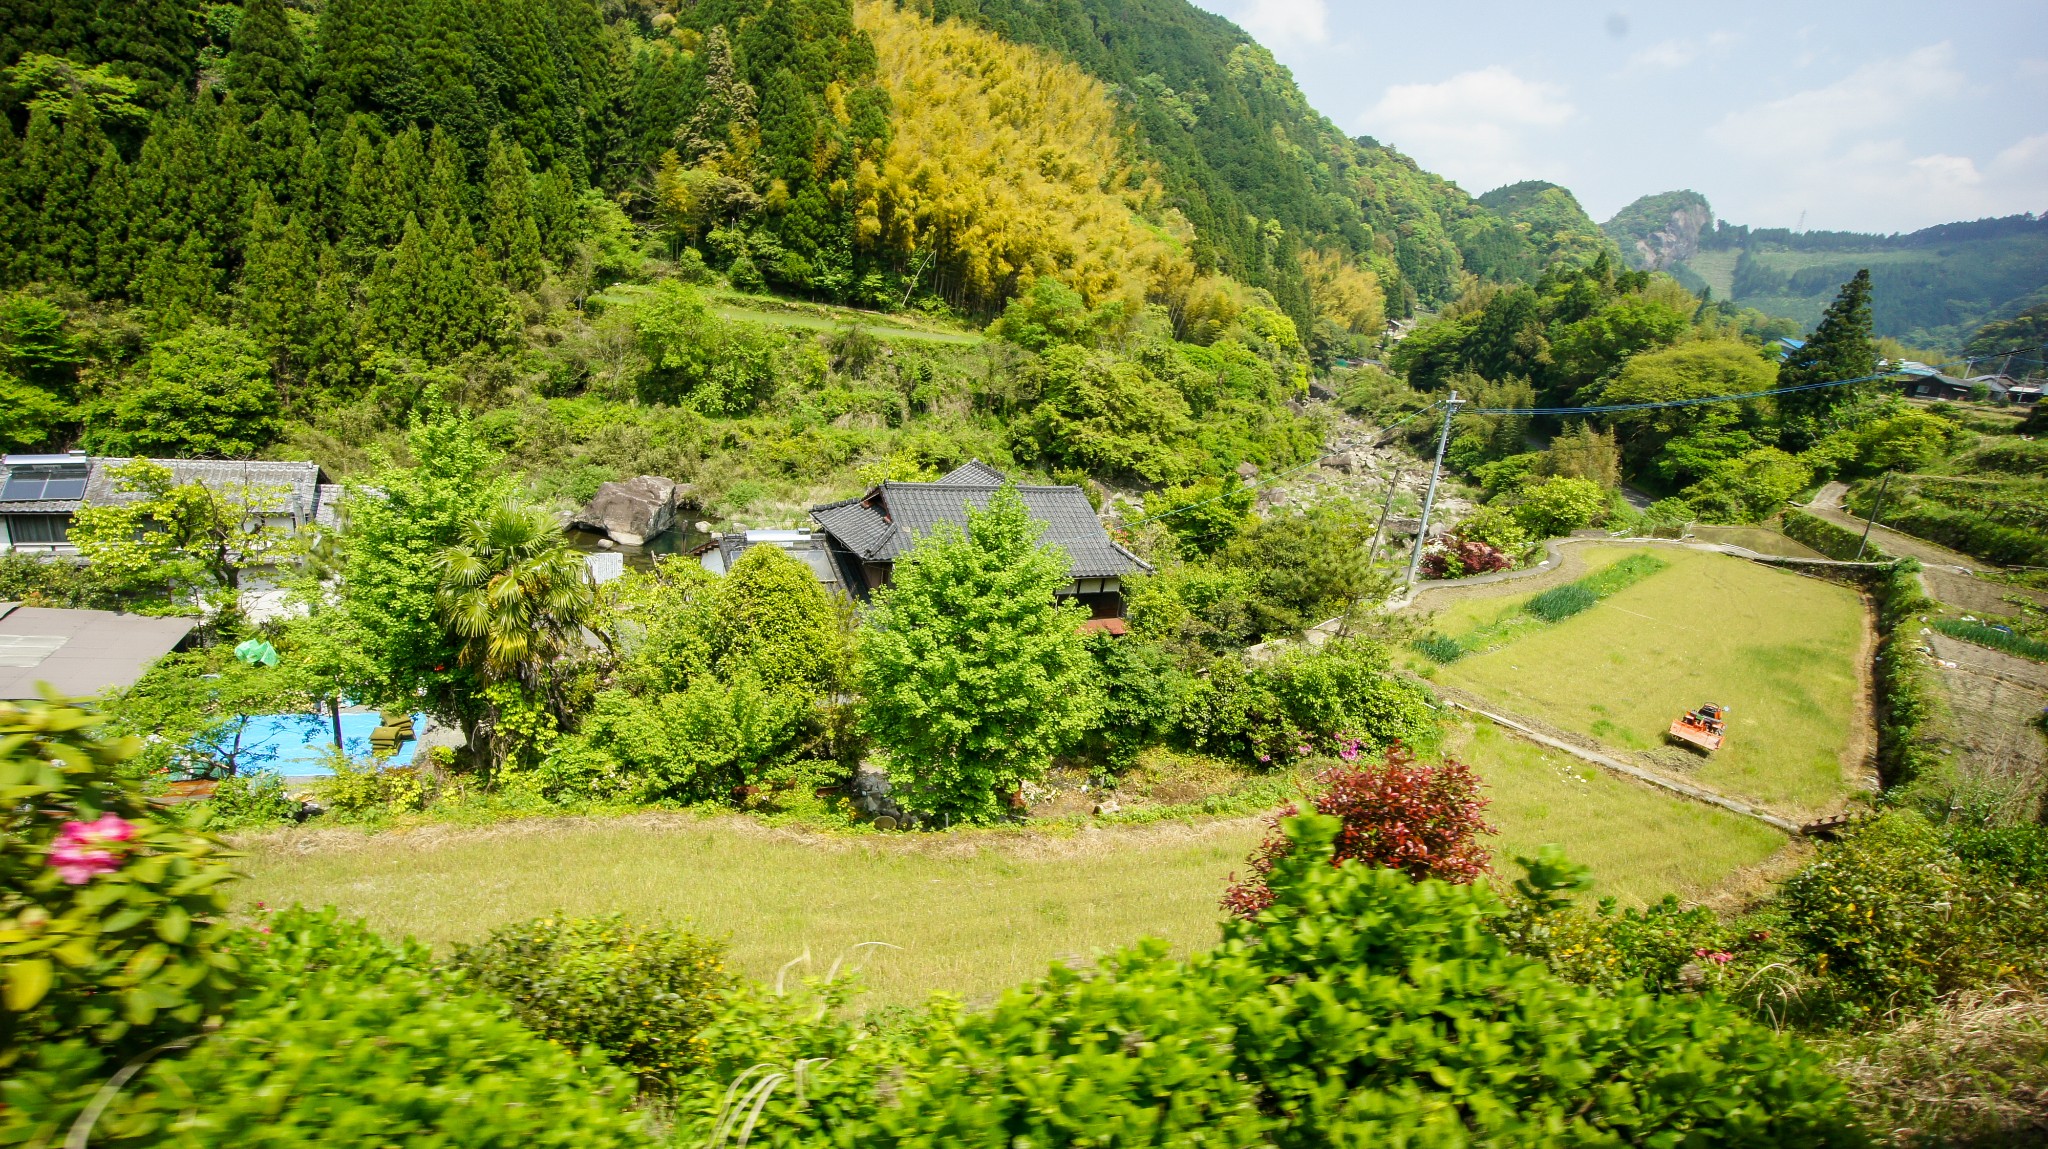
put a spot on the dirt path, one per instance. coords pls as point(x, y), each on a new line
point(1859, 757)
point(1827, 504)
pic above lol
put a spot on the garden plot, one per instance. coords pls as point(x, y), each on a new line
point(1783, 650)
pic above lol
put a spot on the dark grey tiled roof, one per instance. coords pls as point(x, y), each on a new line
point(973, 473)
point(277, 488)
point(886, 524)
point(858, 528)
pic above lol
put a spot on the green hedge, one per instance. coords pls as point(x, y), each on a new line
point(1554, 605)
point(1830, 539)
point(1906, 695)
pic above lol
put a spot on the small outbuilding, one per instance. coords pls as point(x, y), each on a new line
point(80, 653)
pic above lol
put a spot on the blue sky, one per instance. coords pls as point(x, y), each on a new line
point(1876, 115)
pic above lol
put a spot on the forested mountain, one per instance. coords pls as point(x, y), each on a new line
point(1931, 288)
point(1549, 217)
point(348, 192)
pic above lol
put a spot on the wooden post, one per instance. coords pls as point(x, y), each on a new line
point(1875, 511)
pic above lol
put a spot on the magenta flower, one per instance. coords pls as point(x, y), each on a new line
point(1349, 753)
point(82, 852)
point(1302, 749)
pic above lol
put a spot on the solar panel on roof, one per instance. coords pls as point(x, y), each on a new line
point(64, 481)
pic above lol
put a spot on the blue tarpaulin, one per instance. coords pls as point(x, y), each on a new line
point(298, 745)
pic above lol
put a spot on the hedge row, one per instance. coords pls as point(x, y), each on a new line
point(1831, 539)
point(1906, 697)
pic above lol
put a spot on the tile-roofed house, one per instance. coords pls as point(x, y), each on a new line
point(868, 534)
point(40, 493)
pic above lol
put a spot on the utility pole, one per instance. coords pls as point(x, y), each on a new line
point(1874, 512)
point(1443, 440)
point(1372, 553)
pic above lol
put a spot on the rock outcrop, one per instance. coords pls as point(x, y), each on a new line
point(634, 511)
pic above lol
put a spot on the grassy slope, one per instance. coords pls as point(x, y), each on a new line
point(1779, 648)
point(1641, 844)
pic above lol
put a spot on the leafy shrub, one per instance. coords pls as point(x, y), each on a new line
point(1907, 699)
point(1325, 697)
point(1886, 914)
point(1142, 696)
point(1421, 819)
point(343, 1039)
point(111, 918)
point(363, 790)
point(1561, 602)
point(1560, 505)
point(1360, 1007)
point(1497, 528)
point(1458, 558)
point(256, 799)
point(641, 994)
point(1993, 637)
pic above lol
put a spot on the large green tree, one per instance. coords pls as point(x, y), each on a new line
point(972, 676)
point(400, 520)
point(205, 391)
point(1839, 349)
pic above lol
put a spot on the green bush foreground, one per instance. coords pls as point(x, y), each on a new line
point(1360, 1007)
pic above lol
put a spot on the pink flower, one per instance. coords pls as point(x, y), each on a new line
point(81, 851)
point(1265, 757)
point(1721, 958)
point(1302, 749)
point(1349, 753)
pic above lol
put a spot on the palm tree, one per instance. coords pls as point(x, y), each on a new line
point(516, 597)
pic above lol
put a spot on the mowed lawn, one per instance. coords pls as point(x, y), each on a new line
point(1640, 843)
point(1779, 648)
point(972, 913)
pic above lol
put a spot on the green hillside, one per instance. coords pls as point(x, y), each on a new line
point(1932, 288)
point(1550, 219)
point(1254, 167)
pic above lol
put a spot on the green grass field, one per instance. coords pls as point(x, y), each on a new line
point(1779, 648)
point(1640, 844)
point(973, 913)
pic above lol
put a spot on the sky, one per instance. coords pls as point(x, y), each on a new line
point(1859, 115)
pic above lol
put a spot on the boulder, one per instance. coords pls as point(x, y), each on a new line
point(633, 511)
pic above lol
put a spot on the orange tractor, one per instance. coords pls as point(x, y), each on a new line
point(1703, 728)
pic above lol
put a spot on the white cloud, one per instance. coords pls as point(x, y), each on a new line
point(1480, 128)
point(1841, 153)
point(1284, 23)
point(1874, 97)
point(1671, 55)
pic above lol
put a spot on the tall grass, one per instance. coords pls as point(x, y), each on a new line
point(1991, 636)
point(1562, 602)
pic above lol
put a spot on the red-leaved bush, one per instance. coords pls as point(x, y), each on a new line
point(1456, 558)
point(1402, 814)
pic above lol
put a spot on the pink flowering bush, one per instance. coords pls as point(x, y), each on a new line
point(112, 918)
point(85, 850)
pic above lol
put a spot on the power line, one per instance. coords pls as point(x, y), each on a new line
point(1737, 397)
